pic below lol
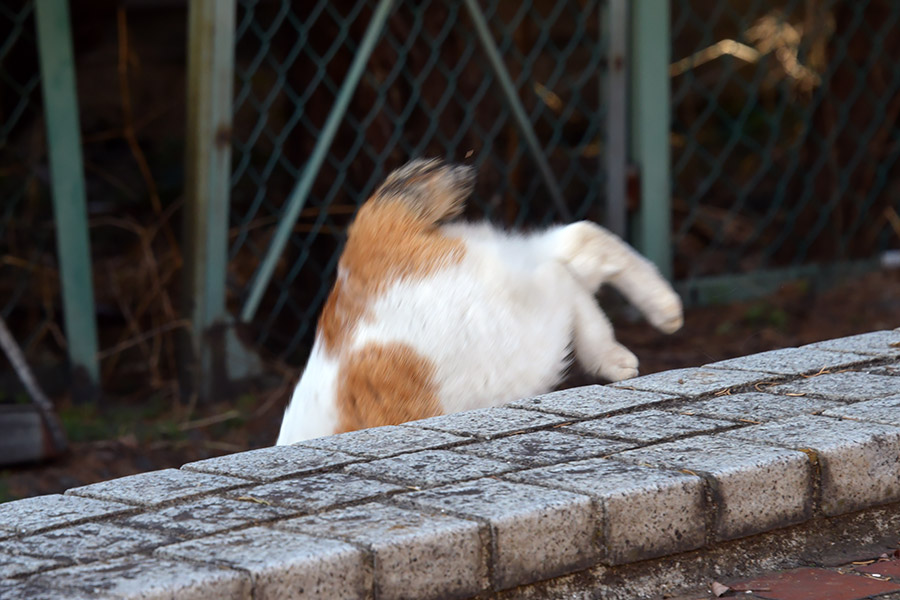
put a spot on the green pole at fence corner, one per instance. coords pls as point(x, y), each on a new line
point(210, 89)
point(650, 118)
point(67, 176)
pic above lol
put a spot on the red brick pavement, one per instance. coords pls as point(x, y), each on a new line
point(861, 580)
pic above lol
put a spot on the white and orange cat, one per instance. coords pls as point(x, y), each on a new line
point(429, 318)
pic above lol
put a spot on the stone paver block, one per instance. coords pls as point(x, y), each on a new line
point(156, 487)
point(12, 565)
point(31, 515)
point(755, 488)
point(816, 584)
point(489, 422)
point(15, 589)
point(590, 401)
point(860, 462)
point(149, 578)
point(205, 516)
point(88, 541)
point(315, 493)
point(884, 410)
point(382, 442)
point(693, 382)
point(756, 407)
point(271, 463)
point(791, 361)
point(415, 555)
point(543, 448)
point(849, 386)
point(649, 426)
point(537, 532)
point(283, 564)
point(877, 343)
point(430, 467)
point(645, 512)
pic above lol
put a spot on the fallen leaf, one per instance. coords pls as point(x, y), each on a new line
point(719, 589)
point(252, 499)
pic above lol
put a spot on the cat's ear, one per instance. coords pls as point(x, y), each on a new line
point(431, 190)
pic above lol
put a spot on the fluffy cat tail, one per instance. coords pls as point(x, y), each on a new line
point(430, 190)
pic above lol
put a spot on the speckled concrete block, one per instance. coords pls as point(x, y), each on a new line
point(430, 468)
point(205, 516)
point(791, 361)
point(590, 401)
point(88, 541)
point(415, 555)
point(860, 462)
point(884, 410)
point(543, 448)
point(645, 512)
point(487, 423)
point(283, 564)
point(755, 407)
point(647, 426)
point(877, 343)
point(846, 387)
point(31, 515)
point(156, 487)
point(12, 565)
point(754, 488)
point(149, 578)
point(31, 591)
point(315, 493)
point(267, 464)
point(694, 382)
point(537, 532)
point(382, 442)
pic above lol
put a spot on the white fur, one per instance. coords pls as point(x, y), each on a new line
point(502, 323)
point(312, 411)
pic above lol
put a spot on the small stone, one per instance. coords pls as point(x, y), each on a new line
point(543, 448)
point(315, 493)
point(156, 487)
point(756, 407)
point(487, 423)
point(791, 361)
point(382, 442)
point(648, 426)
point(429, 468)
point(694, 382)
point(850, 386)
point(31, 515)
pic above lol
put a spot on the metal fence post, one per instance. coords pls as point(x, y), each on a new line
point(614, 24)
point(210, 89)
point(67, 175)
point(650, 117)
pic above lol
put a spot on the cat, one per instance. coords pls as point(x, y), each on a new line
point(429, 318)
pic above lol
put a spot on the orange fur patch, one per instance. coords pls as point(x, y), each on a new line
point(385, 384)
point(385, 243)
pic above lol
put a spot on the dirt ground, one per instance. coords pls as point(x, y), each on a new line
point(137, 435)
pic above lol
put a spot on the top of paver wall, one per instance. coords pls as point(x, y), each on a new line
point(487, 500)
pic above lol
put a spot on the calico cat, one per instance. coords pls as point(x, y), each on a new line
point(429, 318)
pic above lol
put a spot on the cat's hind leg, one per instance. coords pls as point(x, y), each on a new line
point(596, 348)
point(596, 256)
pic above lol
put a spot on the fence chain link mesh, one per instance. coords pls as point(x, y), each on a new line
point(785, 135)
point(428, 90)
point(29, 287)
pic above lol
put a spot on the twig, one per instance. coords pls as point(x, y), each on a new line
point(143, 337)
point(43, 404)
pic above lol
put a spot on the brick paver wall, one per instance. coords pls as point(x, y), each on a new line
point(586, 481)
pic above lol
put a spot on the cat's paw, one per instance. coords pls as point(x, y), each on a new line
point(618, 363)
point(666, 314)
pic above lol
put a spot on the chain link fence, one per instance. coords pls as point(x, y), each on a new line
point(427, 91)
point(29, 287)
point(785, 134)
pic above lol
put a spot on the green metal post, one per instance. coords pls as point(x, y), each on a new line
point(299, 194)
point(207, 183)
point(650, 128)
point(67, 175)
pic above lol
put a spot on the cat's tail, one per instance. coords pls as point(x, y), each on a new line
point(429, 189)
